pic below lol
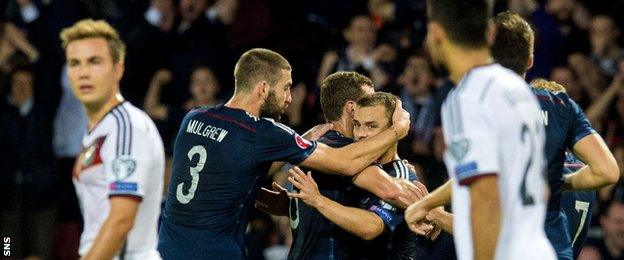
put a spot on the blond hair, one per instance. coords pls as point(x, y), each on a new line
point(547, 85)
point(89, 28)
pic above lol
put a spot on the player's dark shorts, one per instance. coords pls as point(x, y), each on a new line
point(578, 219)
point(176, 242)
point(557, 232)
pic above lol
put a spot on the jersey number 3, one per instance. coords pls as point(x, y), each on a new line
point(180, 195)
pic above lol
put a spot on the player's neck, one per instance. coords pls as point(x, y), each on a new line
point(244, 103)
point(95, 112)
point(460, 60)
point(344, 126)
point(390, 155)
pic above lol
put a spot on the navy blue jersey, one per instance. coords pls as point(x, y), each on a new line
point(577, 206)
point(314, 236)
point(397, 241)
point(220, 157)
point(565, 125)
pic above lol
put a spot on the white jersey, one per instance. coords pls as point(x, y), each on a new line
point(491, 126)
point(122, 155)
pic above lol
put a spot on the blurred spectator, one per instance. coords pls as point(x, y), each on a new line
point(70, 125)
point(603, 36)
point(13, 43)
point(566, 77)
point(29, 215)
point(294, 113)
point(203, 89)
point(592, 80)
point(417, 88)
point(612, 223)
point(149, 46)
point(361, 53)
point(559, 27)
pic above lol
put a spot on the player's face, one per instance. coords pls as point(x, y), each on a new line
point(93, 76)
point(432, 42)
point(278, 98)
point(369, 121)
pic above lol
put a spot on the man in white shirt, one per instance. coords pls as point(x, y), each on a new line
point(119, 174)
point(494, 141)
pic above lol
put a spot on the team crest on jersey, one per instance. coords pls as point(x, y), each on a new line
point(459, 148)
point(123, 167)
point(89, 156)
point(302, 143)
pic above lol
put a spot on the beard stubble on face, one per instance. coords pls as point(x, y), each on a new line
point(271, 108)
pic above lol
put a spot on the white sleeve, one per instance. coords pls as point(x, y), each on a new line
point(473, 143)
point(128, 171)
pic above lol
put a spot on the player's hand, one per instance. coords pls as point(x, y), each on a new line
point(415, 216)
point(412, 192)
point(400, 120)
point(317, 131)
point(433, 216)
point(308, 190)
point(274, 202)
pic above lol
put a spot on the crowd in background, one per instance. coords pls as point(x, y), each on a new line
point(181, 54)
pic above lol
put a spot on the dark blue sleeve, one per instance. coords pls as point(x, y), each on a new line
point(579, 125)
point(277, 142)
point(390, 215)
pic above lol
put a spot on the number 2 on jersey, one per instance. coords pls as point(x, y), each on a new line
point(186, 198)
point(527, 199)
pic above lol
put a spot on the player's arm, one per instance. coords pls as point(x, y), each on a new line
point(378, 182)
point(112, 234)
point(485, 215)
point(417, 212)
point(441, 218)
point(601, 168)
point(313, 134)
point(353, 158)
point(359, 222)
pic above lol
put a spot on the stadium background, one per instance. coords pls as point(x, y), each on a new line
point(181, 53)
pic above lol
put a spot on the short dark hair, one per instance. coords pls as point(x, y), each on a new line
point(380, 98)
point(514, 42)
point(256, 65)
point(465, 21)
point(339, 88)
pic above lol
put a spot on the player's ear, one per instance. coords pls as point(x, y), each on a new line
point(436, 32)
point(120, 67)
point(262, 89)
point(349, 107)
point(491, 32)
point(530, 62)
